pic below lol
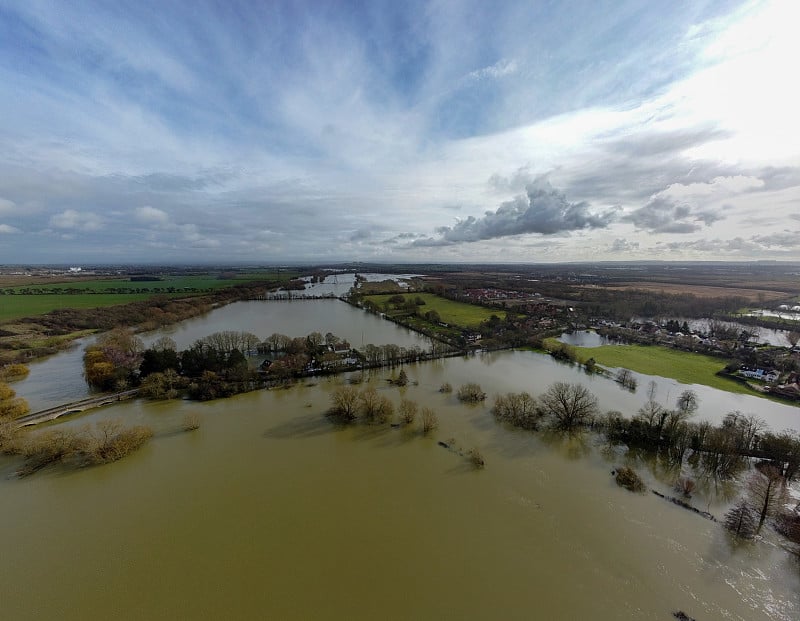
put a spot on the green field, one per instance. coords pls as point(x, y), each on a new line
point(685, 367)
point(19, 306)
point(171, 284)
point(32, 300)
point(454, 313)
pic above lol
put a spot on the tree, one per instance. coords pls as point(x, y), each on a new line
point(767, 491)
point(408, 411)
point(471, 393)
point(429, 420)
point(518, 409)
point(569, 405)
point(741, 520)
point(345, 403)
point(11, 406)
point(402, 378)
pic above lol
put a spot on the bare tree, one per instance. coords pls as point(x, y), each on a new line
point(741, 520)
point(345, 402)
point(569, 405)
point(408, 411)
point(429, 420)
point(471, 393)
point(767, 491)
point(519, 409)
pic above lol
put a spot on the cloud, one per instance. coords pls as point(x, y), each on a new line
point(785, 239)
point(660, 143)
point(499, 69)
point(151, 215)
point(7, 206)
point(7, 229)
point(77, 220)
point(543, 210)
point(623, 245)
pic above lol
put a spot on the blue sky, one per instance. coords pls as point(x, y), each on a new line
point(399, 131)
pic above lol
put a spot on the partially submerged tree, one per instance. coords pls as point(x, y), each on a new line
point(408, 411)
point(345, 403)
point(471, 393)
point(741, 520)
point(568, 405)
point(518, 409)
point(429, 420)
point(767, 491)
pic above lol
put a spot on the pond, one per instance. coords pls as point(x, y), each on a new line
point(270, 511)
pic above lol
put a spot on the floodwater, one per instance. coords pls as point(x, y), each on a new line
point(58, 379)
point(269, 511)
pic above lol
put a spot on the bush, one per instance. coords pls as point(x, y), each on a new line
point(408, 411)
point(629, 479)
point(518, 409)
point(429, 420)
point(13, 372)
point(471, 393)
point(446, 388)
point(476, 458)
point(191, 421)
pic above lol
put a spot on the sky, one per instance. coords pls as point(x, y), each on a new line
point(321, 131)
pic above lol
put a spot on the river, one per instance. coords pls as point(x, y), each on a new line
point(270, 511)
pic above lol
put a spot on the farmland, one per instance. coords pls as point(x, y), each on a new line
point(454, 313)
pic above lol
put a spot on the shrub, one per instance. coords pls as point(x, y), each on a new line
point(13, 372)
point(408, 411)
point(191, 421)
point(402, 378)
point(518, 409)
point(629, 479)
point(471, 393)
point(476, 458)
point(429, 420)
point(446, 388)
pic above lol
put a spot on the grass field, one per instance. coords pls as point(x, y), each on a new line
point(110, 292)
point(455, 313)
point(169, 283)
point(19, 306)
point(685, 367)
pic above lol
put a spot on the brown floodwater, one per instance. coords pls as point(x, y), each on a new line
point(269, 511)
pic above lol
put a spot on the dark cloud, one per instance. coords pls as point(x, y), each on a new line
point(664, 215)
point(543, 210)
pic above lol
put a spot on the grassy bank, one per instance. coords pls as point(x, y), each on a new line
point(454, 313)
point(682, 366)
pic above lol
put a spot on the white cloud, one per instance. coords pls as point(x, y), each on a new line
point(6, 206)
point(77, 220)
point(151, 215)
point(7, 229)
